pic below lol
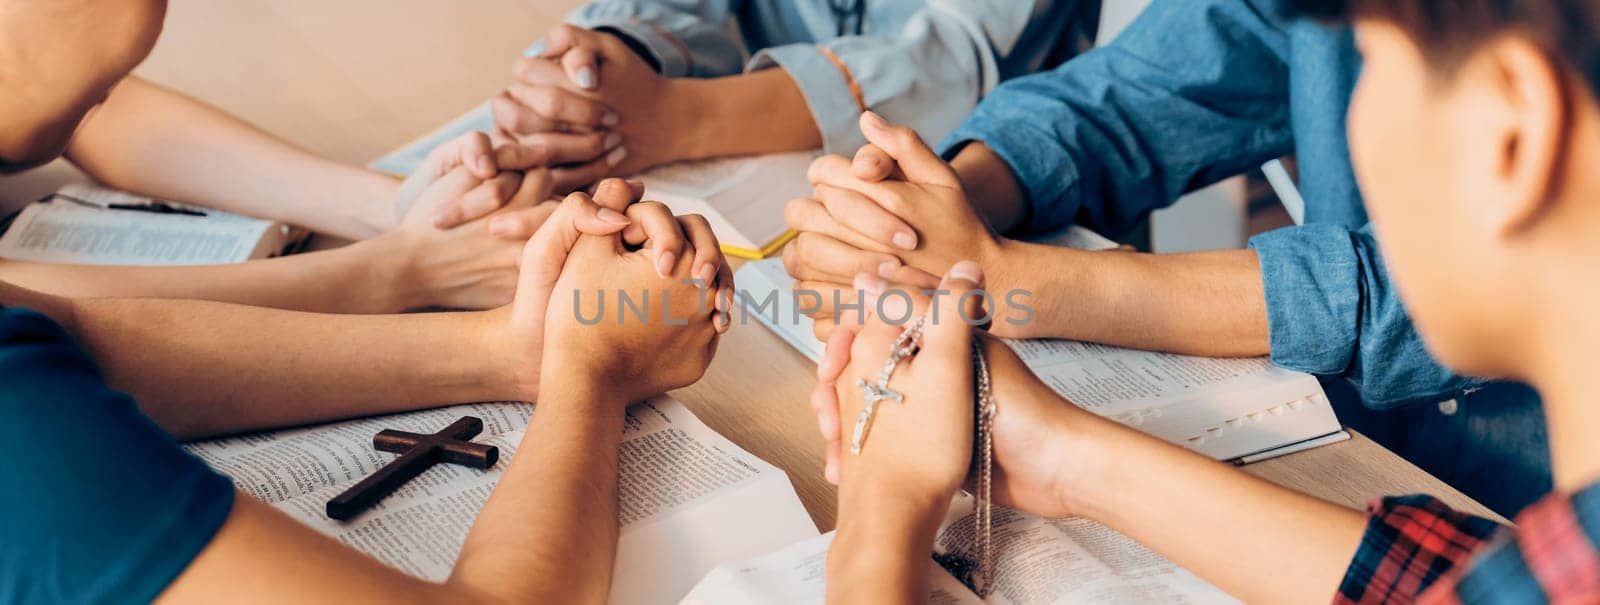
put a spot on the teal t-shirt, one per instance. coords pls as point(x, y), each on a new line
point(97, 503)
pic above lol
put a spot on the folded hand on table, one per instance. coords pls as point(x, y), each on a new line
point(920, 449)
point(897, 213)
point(589, 106)
point(574, 284)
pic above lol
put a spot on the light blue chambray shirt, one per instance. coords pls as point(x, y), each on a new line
point(1195, 91)
point(924, 63)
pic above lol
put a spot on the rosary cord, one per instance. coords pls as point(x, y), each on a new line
point(983, 513)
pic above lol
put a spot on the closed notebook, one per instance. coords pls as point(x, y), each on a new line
point(742, 198)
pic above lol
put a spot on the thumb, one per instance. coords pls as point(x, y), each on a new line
point(547, 251)
point(919, 163)
point(948, 334)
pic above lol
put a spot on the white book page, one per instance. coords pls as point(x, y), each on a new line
point(685, 496)
point(795, 575)
point(279, 465)
point(1037, 562)
point(1060, 561)
point(65, 232)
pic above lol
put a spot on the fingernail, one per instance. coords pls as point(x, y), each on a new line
point(536, 49)
point(822, 424)
point(610, 119)
point(612, 140)
point(612, 216)
point(905, 240)
point(706, 273)
point(887, 268)
point(871, 284)
point(967, 271)
point(585, 77)
point(616, 156)
point(874, 120)
point(665, 262)
point(500, 226)
point(831, 471)
point(723, 319)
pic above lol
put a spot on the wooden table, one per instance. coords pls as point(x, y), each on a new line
point(356, 78)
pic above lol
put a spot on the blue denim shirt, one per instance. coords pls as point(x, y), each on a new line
point(924, 63)
point(1195, 91)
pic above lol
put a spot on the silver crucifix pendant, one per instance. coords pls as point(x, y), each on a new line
point(873, 393)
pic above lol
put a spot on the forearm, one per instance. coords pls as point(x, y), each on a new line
point(360, 278)
point(881, 551)
point(1204, 303)
point(157, 142)
point(556, 506)
point(201, 368)
point(991, 186)
point(746, 114)
point(1260, 542)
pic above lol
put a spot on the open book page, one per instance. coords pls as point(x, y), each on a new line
point(279, 465)
point(687, 499)
point(1037, 562)
point(1223, 408)
point(1058, 561)
point(795, 575)
point(65, 231)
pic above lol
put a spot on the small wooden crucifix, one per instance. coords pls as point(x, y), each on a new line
point(417, 453)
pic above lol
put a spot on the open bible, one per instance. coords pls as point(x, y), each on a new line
point(688, 498)
point(90, 225)
point(1239, 410)
point(1037, 562)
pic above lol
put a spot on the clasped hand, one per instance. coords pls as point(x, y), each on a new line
point(895, 215)
point(567, 322)
point(587, 106)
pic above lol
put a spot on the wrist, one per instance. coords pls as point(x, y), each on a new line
point(882, 514)
point(511, 369)
point(365, 202)
point(991, 187)
point(883, 541)
point(687, 104)
point(388, 265)
point(579, 394)
point(1008, 277)
point(1086, 475)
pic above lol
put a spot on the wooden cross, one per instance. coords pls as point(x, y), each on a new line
point(417, 453)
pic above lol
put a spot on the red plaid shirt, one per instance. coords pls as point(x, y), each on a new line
point(1416, 549)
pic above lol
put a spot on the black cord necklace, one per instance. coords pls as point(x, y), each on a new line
point(848, 12)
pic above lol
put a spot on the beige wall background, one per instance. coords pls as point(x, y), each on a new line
point(347, 79)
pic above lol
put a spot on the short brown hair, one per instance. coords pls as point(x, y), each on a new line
point(1448, 30)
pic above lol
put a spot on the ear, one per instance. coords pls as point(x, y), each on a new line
point(1530, 112)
